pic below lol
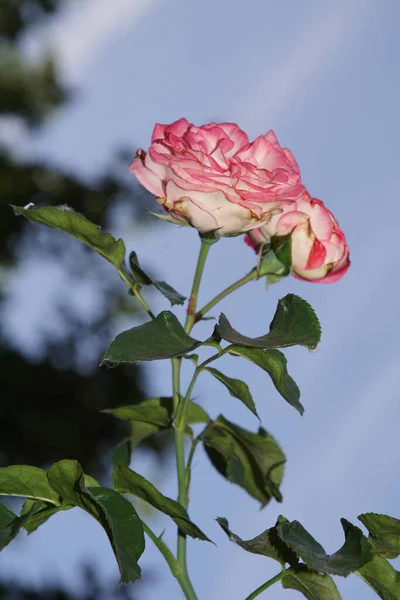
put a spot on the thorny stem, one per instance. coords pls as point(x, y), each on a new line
point(180, 459)
point(189, 465)
point(173, 564)
point(181, 426)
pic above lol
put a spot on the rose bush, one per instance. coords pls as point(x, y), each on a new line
point(212, 178)
point(318, 245)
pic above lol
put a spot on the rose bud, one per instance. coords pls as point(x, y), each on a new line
point(319, 251)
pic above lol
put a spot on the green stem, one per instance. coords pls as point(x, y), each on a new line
point(180, 424)
point(191, 310)
point(189, 465)
point(252, 276)
point(135, 290)
point(173, 564)
point(180, 430)
point(180, 459)
point(267, 585)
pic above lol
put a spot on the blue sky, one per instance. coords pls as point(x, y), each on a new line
point(324, 75)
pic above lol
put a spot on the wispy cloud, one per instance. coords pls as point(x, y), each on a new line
point(85, 30)
point(323, 38)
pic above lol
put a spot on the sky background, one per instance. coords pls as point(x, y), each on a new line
point(324, 75)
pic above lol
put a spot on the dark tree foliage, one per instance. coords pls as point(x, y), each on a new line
point(50, 407)
point(17, 15)
point(93, 590)
point(50, 400)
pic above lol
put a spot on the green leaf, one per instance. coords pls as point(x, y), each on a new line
point(252, 460)
point(65, 219)
point(28, 482)
point(122, 453)
point(124, 529)
point(157, 411)
point(67, 479)
point(382, 578)
point(141, 431)
point(34, 513)
point(267, 543)
point(141, 277)
point(274, 363)
point(9, 526)
point(117, 516)
point(384, 533)
point(312, 585)
point(164, 337)
point(154, 415)
point(355, 552)
point(236, 387)
point(294, 323)
point(127, 481)
point(196, 414)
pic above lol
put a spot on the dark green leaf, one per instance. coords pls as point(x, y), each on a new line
point(170, 294)
point(38, 514)
point(252, 460)
point(153, 416)
point(384, 533)
point(67, 479)
point(355, 552)
point(65, 219)
point(196, 414)
point(294, 323)
point(236, 387)
point(9, 526)
point(157, 413)
point(28, 482)
point(122, 453)
point(267, 543)
point(141, 431)
point(382, 578)
point(274, 363)
point(164, 337)
point(33, 514)
point(138, 273)
point(312, 585)
point(124, 529)
point(116, 515)
point(127, 481)
point(214, 341)
point(141, 277)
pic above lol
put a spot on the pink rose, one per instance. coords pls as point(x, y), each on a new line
point(319, 249)
point(212, 178)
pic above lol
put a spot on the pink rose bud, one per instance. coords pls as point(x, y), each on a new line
point(212, 178)
point(318, 245)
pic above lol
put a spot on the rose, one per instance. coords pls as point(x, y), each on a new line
point(318, 245)
point(212, 178)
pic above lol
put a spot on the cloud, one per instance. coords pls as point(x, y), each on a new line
point(319, 42)
point(85, 30)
